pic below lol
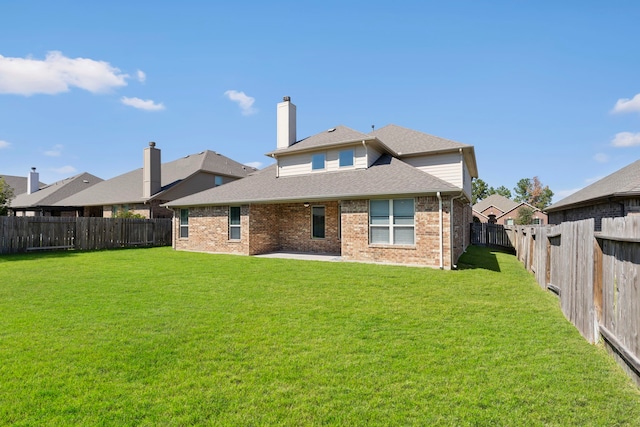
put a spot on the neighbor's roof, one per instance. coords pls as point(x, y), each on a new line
point(623, 183)
point(497, 201)
point(127, 188)
point(51, 194)
point(388, 176)
point(18, 183)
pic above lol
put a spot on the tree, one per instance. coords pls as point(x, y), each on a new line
point(479, 190)
point(531, 191)
point(525, 216)
point(6, 194)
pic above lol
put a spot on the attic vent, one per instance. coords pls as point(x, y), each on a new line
point(85, 181)
point(331, 130)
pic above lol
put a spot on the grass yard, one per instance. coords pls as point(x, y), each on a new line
point(157, 337)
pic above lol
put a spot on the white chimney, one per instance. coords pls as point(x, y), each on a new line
point(33, 181)
point(151, 174)
point(286, 123)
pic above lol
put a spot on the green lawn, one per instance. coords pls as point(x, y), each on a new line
point(157, 337)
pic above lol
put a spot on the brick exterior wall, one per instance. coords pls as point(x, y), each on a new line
point(287, 227)
point(209, 231)
point(425, 252)
point(609, 209)
point(462, 217)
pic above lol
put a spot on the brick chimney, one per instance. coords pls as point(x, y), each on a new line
point(151, 174)
point(286, 123)
point(33, 181)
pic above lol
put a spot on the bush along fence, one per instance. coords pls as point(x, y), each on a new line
point(24, 234)
point(595, 274)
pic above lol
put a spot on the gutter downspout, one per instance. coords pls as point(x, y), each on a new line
point(366, 154)
point(277, 165)
point(441, 231)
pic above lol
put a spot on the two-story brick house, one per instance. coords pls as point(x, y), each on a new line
point(394, 195)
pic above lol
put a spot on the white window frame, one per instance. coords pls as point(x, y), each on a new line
point(237, 226)
point(324, 161)
point(391, 226)
point(184, 225)
point(353, 156)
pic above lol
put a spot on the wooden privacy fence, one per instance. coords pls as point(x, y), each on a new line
point(595, 274)
point(486, 234)
point(23, 234)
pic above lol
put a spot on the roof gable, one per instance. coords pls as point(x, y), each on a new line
point(331, 137)
point(51, 194)
point(127, 188)
point(624, 182)
point(499, 202)
point(406, 141)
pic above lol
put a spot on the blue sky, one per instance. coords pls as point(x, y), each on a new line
point(545, 88)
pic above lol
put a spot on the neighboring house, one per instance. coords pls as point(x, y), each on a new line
point(497, 209)
point(19, 184)
point(615, 195)
point(42, 201)
point(394, 195)
point(143, 190)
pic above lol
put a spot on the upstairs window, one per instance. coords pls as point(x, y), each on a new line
point(184, 223)
point(346, 158)
point(234, 223)
point(217, 180)
point(318, 161)
point(391, 222)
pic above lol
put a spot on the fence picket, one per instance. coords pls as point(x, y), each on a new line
point(22, 234)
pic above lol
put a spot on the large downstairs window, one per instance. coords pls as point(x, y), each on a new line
point(391, 222)
point(234, 223)
point(184, 223)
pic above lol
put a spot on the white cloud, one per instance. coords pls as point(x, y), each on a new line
point(66, 170)
point(56, 151)
point(601, 158)
point(256, 165)
point(4, 144)
point(626, 105)
point(626, 139)
point(56, 74)
point(244, 101)
point(142, 77)
point(141, 104)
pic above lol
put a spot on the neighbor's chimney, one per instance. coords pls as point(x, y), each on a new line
point(33, 181)
point(151, 176)
point(286, 123)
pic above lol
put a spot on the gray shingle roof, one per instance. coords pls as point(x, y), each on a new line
point(388, 176)
point(127, 188)
point(334, 136)
point(406, 141)
point(497, 201)
point(622, 183)
point(51, 194)
point(18, 183)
